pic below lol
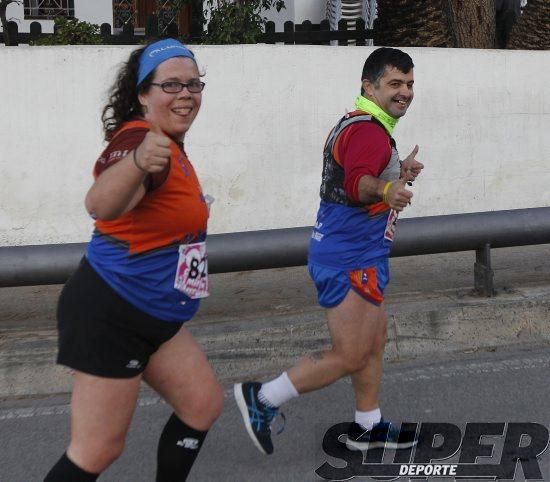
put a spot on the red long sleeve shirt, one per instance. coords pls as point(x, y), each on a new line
point(362, 149)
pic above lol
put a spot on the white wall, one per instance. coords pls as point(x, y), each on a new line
point(481, 118)
point(297, 11)
point(313, 10)
point(96, 11)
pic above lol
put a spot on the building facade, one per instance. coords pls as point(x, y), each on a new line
point(114, 12)
point(44, 11)
point(117, 13)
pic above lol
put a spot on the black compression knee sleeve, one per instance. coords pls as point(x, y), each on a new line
point(178, 448)
point(67, 471)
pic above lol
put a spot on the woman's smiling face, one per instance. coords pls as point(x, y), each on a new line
point(173, 113)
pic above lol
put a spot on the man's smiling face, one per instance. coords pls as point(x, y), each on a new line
point(393, 92)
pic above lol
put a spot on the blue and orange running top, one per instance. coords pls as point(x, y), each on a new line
point(349, 235)
point(137, 253)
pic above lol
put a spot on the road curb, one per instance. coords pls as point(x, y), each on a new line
point(419, 325)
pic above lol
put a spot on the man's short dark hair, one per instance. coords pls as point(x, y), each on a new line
point(376, 63)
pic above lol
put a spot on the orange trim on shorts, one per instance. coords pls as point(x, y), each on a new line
point(364, 281)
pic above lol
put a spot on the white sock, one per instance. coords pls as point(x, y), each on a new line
point(368, 419)
point(277, 391)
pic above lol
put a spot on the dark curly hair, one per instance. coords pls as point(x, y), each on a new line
point(123, 103)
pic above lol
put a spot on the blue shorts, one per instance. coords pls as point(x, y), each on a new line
point(333, 285)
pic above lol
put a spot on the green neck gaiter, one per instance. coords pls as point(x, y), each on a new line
point(366, 105)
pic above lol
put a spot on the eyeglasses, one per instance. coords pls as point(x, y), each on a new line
point(173, 87)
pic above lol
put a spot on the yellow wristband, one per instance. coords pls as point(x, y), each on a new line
point(385, 192)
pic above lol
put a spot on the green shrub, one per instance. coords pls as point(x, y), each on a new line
point(71, 31)
point(237, 22)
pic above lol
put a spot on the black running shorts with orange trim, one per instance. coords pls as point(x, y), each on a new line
point(102, 334)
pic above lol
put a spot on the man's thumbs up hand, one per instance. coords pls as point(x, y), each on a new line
point(398, 197)
point(410, 167)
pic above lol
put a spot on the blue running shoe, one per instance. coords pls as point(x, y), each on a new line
point(383, 434)
point(256, 415)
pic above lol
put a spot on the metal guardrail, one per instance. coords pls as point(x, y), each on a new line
point(278, 248)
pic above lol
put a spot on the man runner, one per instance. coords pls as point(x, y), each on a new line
point(364, 186)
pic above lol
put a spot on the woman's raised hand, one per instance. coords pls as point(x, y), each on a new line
point(153, 154)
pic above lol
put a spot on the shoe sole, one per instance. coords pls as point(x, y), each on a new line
point(243, 408)
point(378, 445)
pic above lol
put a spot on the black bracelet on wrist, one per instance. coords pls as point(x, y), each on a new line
point(136, 163)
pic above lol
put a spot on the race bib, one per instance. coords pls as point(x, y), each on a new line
point(389, 232)
point(192, 271)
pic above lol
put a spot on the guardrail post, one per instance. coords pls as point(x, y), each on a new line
point(483, 273)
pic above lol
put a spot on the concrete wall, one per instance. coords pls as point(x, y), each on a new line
point(481, 118)
point(96, 11)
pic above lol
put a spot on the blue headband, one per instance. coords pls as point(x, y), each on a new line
point(157, 53)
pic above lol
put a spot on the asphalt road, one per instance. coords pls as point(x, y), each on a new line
point(504, 385)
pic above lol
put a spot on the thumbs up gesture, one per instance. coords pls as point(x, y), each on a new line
point(410, 167)
point(153, 154)
point(398, 197)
